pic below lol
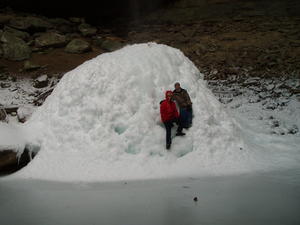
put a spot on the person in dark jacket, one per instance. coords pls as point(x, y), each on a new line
point(169, 115)
point(184, 103)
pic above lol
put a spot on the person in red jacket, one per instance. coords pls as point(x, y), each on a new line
point(169, 115)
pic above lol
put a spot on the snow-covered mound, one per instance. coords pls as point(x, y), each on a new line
point(102, 122)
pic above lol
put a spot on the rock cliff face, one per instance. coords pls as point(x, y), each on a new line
point(222, 37)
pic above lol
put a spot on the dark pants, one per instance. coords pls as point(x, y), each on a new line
point(169, 125)
point(186, 116)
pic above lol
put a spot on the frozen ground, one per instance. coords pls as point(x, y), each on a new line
point(253, 199)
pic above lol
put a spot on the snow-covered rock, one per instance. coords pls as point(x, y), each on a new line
point(41, 82)
point(24, 113)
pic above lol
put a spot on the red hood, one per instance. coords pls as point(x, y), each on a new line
point(167, 92)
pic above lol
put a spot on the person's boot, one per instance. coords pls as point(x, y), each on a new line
point(180, 133)
point(168, 146)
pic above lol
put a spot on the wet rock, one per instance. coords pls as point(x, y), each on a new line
point(17, 33)
point(7, 158)
point(41, 81)
point(86, 29)
point(50, 39)
point(11, 162)
point(59, 21)
point(111, 45)
point(38, 24)
point(30, 23)
point(19, 23)
point(98, 40)
point(77, 20)
point(14, 48)
point(30, 66)
point(62, 25)
point(78, 46)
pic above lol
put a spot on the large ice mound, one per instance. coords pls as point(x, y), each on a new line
point(102, 122)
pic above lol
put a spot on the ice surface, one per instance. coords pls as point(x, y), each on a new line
point(102, 123)
point(252, 199)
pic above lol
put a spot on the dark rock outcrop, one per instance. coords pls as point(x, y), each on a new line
point(30, 23)
point(62, 25)
point(78, 46)
point(17, 33)
point(14, 48)
point(10, 162)
point(87, 30)
point(111, 45)
point(50, 39)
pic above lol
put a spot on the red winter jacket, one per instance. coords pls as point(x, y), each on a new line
point(168, 110)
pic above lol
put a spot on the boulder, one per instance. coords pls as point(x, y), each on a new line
point(11, 162)
point(62, 25)
point(98, 40)
point(29, 66)
point(17, 33)
point(30, 23)
point(59, 21)
point(86, 29)
point(7, 158)
point(111, 45)
point(65, 29)
point(78, 46)
point(77, 20)
point(19, 23)
point(50, 39)
point(41, 81)
point(38, 23)
point(14, 48)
